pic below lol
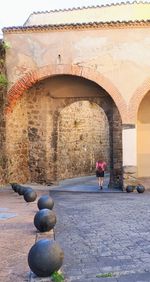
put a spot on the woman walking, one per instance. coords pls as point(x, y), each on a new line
point(100, 170)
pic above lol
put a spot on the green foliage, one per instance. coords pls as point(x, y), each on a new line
point(3, 80)
point(6, 45)
point(3, 46)
point(57, 277)
point(104, 275)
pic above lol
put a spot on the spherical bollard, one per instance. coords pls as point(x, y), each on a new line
point(45, 257)
point(140, 188)
point(15, 187)
point(45, 202)
point(21, 190)
point(27, 189)
point(30, 196)
point(45, 220)
point(129, 188)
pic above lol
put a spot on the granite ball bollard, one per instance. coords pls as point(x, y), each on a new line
point(21, 190)
point(45, 202)
point(140, 188)
point(27, 189)
point(45, 220)
point(15, 187)
point(45, 257)
point(30, 196)
point(129, 188)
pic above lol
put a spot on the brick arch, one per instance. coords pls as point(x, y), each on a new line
point(36, 75)
point(136, 99)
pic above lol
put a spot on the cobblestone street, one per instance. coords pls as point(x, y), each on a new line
point(104, 234)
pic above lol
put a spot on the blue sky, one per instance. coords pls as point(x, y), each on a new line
point(16, 12)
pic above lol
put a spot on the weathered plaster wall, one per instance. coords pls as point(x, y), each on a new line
point(143, 137)
point(120, 54)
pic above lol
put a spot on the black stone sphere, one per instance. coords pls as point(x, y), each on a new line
point(45, 202)
point(27, 190)
point(45, 257)
point(129, 188)
point(140, 188)
point(15, 187)
point(21, 190)
point(45, 220)
point(30, 196)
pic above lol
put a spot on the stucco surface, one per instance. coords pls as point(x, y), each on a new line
point(121, 55)
point(120, 12)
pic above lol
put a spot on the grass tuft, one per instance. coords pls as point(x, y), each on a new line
point(57, 277)
point(104, 275)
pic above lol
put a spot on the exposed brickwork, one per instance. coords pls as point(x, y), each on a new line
point(17, 90)
point(29, 79)
point(52, 138)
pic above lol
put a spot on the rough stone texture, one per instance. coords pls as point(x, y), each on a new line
point(115, 56)
point(130, 176)
point(60, 128)
point(17, 144)
point(83, 138)
point(3, 161)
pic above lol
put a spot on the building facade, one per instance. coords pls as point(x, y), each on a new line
point(78, 91)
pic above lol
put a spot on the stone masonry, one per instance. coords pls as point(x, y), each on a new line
point(3, 92)
point(54, 137)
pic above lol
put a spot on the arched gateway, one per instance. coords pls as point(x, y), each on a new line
point(85, 58)
point(60, 118)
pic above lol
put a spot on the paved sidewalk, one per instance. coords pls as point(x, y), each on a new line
point(104, 234)
point(84, 184)
point(17, 235)
point(101, 232)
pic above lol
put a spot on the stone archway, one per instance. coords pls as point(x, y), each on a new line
point(136, 99)
point(33, 76)
point(83, 138)
point(143, 137)
point(34, 146)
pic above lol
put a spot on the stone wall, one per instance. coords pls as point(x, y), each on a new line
point(83, 138)
point(17, 145)
point(59, 128)
point(3, 160)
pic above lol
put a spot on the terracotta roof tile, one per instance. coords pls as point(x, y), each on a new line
point(88, 7)
point(77, 26)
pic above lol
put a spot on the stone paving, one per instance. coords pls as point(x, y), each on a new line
point(104, 234)
point(17, 235)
